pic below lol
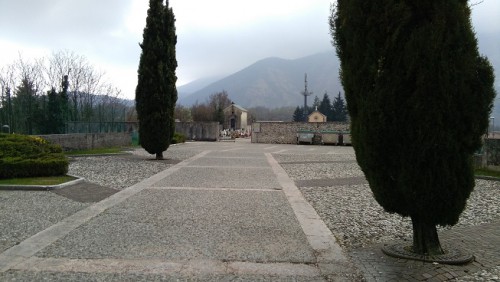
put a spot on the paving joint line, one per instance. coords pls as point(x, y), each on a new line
point(215, 189)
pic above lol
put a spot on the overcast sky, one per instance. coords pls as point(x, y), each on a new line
point(215, 38)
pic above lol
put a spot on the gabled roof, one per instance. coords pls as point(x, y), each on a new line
point(316, 112)
point(236, 106)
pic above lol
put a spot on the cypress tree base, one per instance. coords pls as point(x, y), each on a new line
point(159, 156)
point(452, 256)
point(426, 247)
point(425, 238)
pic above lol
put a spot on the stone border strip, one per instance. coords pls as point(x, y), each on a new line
point(215, 189)
point(43, 187)
point(158, 266)
point(29, 247)
point(331, 259)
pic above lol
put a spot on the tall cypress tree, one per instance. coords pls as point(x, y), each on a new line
point(325, 107)
point(55, 117)
point(156, 93)
point(419, 95)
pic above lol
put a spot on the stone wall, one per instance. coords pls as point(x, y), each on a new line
point(199, 131)
point(286, 132)
point(84, 141)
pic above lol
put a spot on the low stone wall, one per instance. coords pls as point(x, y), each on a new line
point(84, 141)
point(199, 131)
point(286, 132)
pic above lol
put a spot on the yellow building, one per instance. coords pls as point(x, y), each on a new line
point(316, 116)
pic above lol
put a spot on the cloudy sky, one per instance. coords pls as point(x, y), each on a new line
point(215, 38)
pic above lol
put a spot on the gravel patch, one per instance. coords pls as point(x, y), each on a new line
point(357, 220)
point(25, 213)
point(350, 210)
point(308, 157)
point(122, 171)
point(321, 171)
point(483, 275)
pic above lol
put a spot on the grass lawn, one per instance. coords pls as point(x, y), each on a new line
point(97, 151)
point(48, 180)
point(487, 172)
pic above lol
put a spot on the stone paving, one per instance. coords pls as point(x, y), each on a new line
point(230, 213)
point(483, 241)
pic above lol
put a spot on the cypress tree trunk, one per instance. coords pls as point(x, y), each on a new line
point(159, 156)
point(425, 237)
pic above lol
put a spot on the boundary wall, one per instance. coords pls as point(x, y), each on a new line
point(84, 141)
point(273, 132)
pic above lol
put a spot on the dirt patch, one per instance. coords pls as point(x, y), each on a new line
point(85, 192)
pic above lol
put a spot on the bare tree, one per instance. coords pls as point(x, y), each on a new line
point(7, 84)
point(24, 86)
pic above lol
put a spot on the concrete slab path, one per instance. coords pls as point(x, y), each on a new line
point(228, 213)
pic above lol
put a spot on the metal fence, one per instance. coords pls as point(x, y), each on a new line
point(100, 127)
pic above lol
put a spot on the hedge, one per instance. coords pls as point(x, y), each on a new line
point(30, 156)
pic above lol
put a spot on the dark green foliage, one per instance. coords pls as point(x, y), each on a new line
point(55, 114)
point(298, 114)
point(419, 96)
point(156, 93)
point(30, 156)
point(178, 138)
point(339, 109)
point(23, 104)
point(316, 102)
point(325, 107)
point(218, 102)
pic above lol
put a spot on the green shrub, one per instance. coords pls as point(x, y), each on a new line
point(178, 138)
point(30, 156)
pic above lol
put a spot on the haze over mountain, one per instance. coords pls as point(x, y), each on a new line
point(273, 82)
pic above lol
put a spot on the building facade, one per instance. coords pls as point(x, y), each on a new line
point(235, 117)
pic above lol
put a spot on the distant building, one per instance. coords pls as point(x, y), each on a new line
point(235, 117)
point(316, 116)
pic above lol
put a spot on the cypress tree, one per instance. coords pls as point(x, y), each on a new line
point(298, 114)
point(419, 96)
point(156, 93)
point(325, 107)
point(55, 117)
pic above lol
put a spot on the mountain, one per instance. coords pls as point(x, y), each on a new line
point(187, 89)
point(276, 82)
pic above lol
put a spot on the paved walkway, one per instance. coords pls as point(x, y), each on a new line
point(229, 212)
